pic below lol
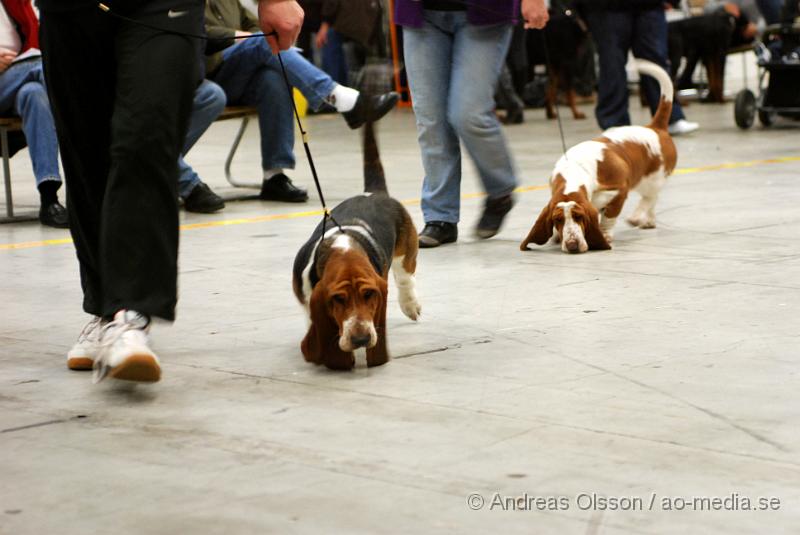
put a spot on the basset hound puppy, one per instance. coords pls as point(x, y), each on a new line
point(590, 183)
point(341, 273)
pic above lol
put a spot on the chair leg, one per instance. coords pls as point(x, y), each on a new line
point(229, 160)
point(7, 172)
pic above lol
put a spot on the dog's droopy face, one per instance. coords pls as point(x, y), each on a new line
point(352, 302)
point(571, 219)
point(348, 310)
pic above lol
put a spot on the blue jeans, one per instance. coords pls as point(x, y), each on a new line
point(453, 68)
point(251, 75)
point(22, 92)
point(208, 103)
point(616, 33)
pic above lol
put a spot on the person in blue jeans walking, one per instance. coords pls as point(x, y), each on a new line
point(208, 103)
point(454, 52)
point(619, 27)
point(23, 93)
point(250, 74)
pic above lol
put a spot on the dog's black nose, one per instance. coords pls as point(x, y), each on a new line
point(360, 341)
point(572, 246)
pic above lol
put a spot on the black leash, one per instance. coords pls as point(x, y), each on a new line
point(304, 134)
point(558, 112)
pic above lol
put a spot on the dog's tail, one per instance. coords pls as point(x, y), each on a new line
point(374, 177)
point(661, 118)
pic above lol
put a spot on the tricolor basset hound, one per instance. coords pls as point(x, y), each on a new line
point(340, 274)
point(590, 183)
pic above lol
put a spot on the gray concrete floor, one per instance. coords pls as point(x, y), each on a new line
point(666, 367)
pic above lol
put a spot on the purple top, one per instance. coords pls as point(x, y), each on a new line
point(479, 12)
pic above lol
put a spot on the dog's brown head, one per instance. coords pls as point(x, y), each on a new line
point(572, 219)
point(348, 310)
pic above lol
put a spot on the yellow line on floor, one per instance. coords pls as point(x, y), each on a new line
point(312, 213)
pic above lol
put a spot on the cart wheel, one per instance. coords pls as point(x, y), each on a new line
point(766, 117)
point(745, 109)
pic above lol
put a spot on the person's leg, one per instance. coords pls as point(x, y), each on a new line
point(428, 55)
point(650, 43)
point(314, 83)
point(612, 32)
point(32, 105)
point(243, 59)
point(478, 56)
point(770, 10)
point(267, 91)
point(156, 76)
point(333, 61)
point(250, 78)
point(208, 103)
point(78, 54)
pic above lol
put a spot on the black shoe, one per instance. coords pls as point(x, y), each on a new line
point(54, 215)
point(370, 108)
point(514, 116)
point(280, 188)
point(437, 233)
point(203, 201)
point(494, 212)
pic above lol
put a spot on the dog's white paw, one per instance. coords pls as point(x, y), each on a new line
point(608, 235)
point(411, 307)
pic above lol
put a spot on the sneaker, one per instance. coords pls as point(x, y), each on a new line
point(280, 188)
point(682, 126)
point(437, 233)
point(202, 200)
point(494, 212)
point(125, 353)
point(84, 352)
point(370, 108)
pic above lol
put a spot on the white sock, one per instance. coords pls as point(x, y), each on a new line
point(269, 173)
point(343, 98)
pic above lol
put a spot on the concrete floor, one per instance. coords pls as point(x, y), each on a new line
point(666, 367)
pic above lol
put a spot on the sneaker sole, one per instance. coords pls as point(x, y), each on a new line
point(141, 368)
point(80, 363)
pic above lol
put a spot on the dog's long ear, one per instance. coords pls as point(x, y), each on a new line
point(541, 231)
point(593, 234)
point(380, 353)
point(321, 344)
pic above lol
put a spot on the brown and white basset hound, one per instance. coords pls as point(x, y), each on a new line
point(341, 273)
point(590, 183)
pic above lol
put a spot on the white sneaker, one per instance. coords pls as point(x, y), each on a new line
point(682, 126)
point(84, 352)
point(124, 350)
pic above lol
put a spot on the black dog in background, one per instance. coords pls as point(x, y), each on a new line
point(565, 37)
point(708, 38)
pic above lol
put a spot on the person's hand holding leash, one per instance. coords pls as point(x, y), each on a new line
point(284, 17)
point(535, 14)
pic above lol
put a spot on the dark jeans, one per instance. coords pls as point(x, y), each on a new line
point(616, 33)
point(121, 96)
point(770, 10)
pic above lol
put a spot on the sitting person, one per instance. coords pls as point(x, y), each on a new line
point(251, 75)
point(208, 103)
point(23, 93)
